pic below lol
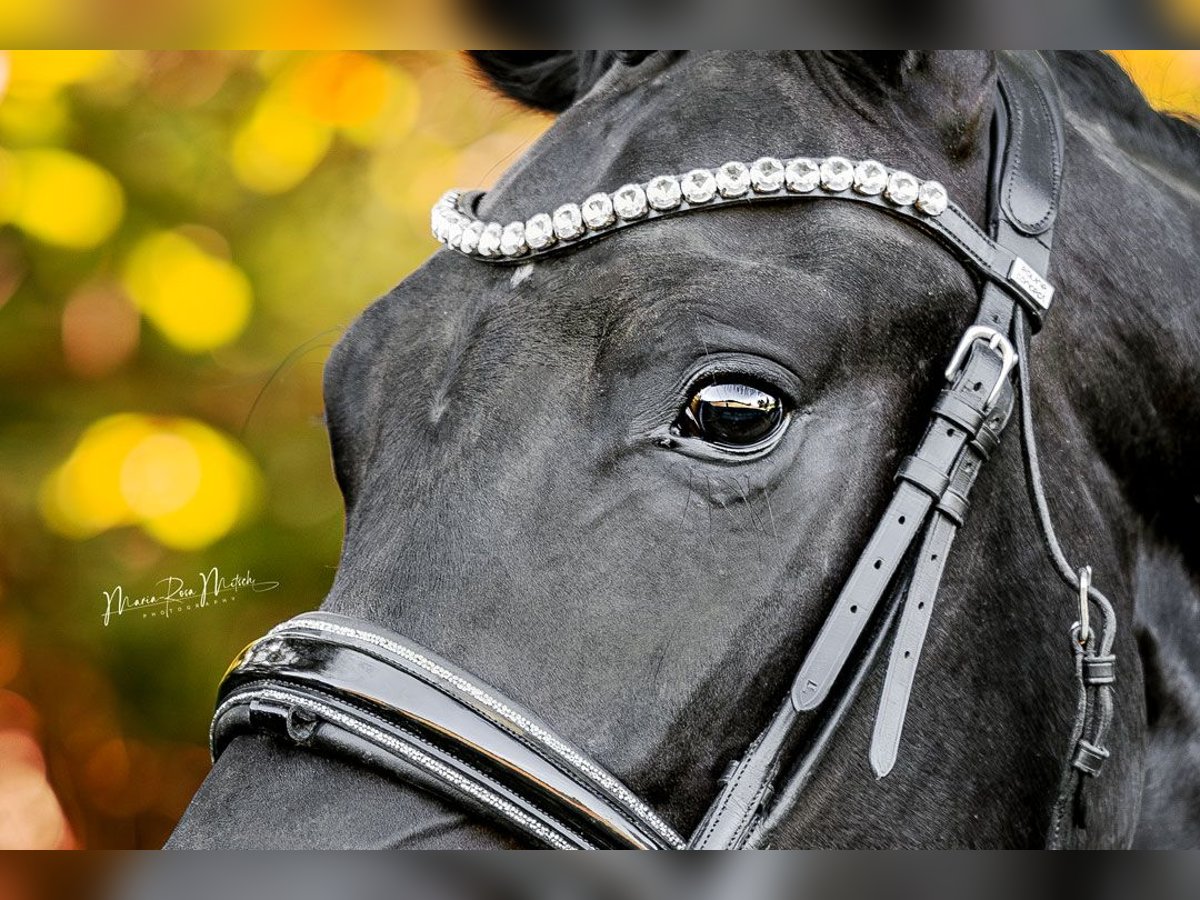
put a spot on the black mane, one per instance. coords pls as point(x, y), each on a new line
point(1100, 85)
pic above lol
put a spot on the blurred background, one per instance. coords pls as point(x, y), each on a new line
point(183, 236)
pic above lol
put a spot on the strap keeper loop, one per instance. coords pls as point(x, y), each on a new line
point(924, 475)
point(986, 442)
point(1099, 669)
point(1089, 758)
point(953, 505)
point(952, 407)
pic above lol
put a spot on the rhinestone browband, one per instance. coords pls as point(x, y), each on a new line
point(455, 224)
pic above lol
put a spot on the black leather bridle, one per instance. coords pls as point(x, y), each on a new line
point(355, 689)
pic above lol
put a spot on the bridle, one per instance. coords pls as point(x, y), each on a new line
point(352, 688)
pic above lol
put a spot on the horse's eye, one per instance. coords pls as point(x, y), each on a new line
point(732, 415)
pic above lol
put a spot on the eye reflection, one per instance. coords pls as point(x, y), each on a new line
point(732, 415)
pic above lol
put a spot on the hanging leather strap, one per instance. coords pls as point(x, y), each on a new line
point(930, 562)
point(924, 479)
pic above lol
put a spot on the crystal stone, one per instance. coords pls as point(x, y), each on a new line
point(470, 237)
point(539, 232)
point(439, 224)
point(766, 175)
point(699, 186)
point(598, 211)
point(489, 240)
point(870, 177)
point(663, 192)
point(568, 222)
point(629, 201)
point(802, 175)
point(733, 179)
point(932, 199)
point(902, 189)
point(837, 174)
point(512, 239)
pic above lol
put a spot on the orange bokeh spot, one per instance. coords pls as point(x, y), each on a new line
point(1170, 79)
point(30, 815)
point(342, 88)
point(100, 329)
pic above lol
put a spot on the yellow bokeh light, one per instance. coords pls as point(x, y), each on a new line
point(61, 198)
point(80, 499)
point(196, 301)
point(181, 481)
point(36, 71)
point(1168, 78)
point(279, 145)
point(30, 120)
point(27, 24)
point(225, 492)
point(159, 475)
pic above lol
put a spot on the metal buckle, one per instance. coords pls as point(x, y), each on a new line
point(1085, 585)
point(996, 341)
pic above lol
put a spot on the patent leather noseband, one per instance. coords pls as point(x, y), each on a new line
point(362, 692)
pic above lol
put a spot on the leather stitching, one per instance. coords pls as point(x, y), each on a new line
point(524, 739)
point(383, 725)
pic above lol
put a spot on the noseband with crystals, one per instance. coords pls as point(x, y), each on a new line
point(359, 690)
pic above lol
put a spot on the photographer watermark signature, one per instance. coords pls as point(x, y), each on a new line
point(177, 595)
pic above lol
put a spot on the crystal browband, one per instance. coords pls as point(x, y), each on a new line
point(925, 203)
point(459, 229)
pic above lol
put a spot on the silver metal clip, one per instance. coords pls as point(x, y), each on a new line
point(1085, 585)
point(998, 342)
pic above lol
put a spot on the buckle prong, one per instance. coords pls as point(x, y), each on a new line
point(996, 341)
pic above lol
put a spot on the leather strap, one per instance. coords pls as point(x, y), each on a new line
point(740, 818)
point(923, 590)
point(1034, 154)
point(924, 478)
point(410, 704)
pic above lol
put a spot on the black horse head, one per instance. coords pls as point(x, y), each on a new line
point(542, 487)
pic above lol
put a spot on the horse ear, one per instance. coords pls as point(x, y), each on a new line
point(954, 90)
point(548, 79)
